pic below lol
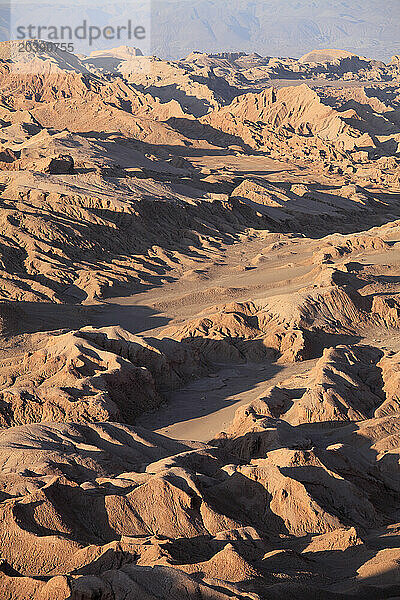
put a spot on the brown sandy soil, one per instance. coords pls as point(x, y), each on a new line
point(200, 327)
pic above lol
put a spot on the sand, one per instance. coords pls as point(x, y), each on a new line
point(200, 327)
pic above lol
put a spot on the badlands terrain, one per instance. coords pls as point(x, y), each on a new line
point(200, 327)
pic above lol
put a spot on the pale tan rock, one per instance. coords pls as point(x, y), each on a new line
point(244, 222)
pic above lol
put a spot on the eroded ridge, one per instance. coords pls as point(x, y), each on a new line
point(200, 327)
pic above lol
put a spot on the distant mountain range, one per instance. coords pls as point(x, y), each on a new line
point(276, 27)
point(269, 27)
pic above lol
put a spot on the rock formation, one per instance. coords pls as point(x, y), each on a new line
point(200, 326)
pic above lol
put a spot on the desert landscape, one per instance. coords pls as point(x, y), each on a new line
point(200, 326)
